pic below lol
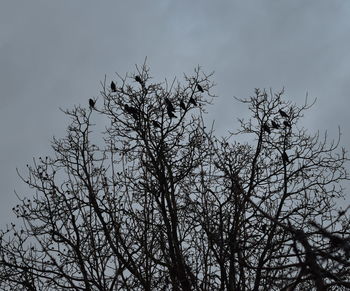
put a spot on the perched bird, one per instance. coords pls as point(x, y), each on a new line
point(92, 103)
point(275, 124)
point(132, 110)
point(285, 157)
point(156, 123)
point(266, 128)
point(169, 105)
point(283, 114)
point(127, 108)
point(182, 105)
point(170, 113)
point(192, 101)
point(286, 123)
point(138, 79)
point(200, 89)
point(113, 87)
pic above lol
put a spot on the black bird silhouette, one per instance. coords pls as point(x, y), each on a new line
point(192, 101)
point(266, 128)
point(285, 157)
point(132, 110)
point(169, 105)
point(138, 79)
point(170, 113)
point(113, 87)
point(92, 103)
point(182, 105)
point(286, 123)
point(283, 114)
point(199, 87)
point(275, 124)
point(156, 123)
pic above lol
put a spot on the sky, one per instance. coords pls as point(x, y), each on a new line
point(54, 54)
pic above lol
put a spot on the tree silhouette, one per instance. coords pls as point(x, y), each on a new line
point(176, 208)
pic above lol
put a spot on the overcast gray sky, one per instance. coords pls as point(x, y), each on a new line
point(55, 53)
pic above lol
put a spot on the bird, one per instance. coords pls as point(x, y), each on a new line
point(169, 105)
point(156, 124)
point(285, 157)
point(113, 87)
point(200, 88)
point(266, 128)
point(283, 114)
point(170, 113)
point(192, 101)
point(132, 110)
point(92, 103)
point(275, 124)
point(182, 105)
point(286, 123)
point(138, 79)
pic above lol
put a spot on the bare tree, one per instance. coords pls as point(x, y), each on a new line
point(157, 202)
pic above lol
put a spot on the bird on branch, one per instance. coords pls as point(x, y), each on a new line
point(92, 103)
point(285, 157)
point(169, 105)
point(132, 110)
point(182, 105)
point(287, 123)
point(113, 87)
point(170, 113)
point(266, 128)
point(200, 88)
point(156, 124)
point(192, 101)
point(139, 80)
point(275, 124)
point(283, 114)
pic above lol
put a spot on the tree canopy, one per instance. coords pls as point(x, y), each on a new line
point(162, 203)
